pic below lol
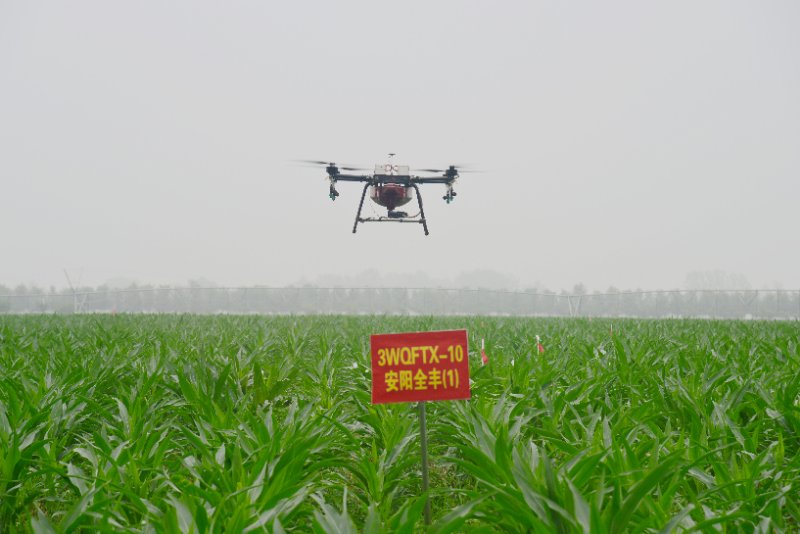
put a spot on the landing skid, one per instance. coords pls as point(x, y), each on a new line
point(420, 220)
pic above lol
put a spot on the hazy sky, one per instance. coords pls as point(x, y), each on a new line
point(624, 143)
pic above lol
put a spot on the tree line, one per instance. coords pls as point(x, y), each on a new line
point(760, 304)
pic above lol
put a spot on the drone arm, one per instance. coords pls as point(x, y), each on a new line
point(352, 178)
point(446, 180)
point(432, 180)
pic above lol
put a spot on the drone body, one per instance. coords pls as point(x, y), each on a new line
point(390, 186)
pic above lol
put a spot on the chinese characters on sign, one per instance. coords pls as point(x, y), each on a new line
point(420, 366)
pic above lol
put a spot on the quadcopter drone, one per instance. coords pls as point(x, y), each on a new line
point(390, 186)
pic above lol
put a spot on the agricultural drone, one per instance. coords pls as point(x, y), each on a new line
point(390, 186)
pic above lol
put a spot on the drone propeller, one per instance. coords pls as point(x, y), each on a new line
point(458, 168)
point(329, 163)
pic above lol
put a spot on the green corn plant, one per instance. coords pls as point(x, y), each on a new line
point(174, 423)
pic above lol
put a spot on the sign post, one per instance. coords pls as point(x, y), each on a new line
point(420, 367)
point(423, 439)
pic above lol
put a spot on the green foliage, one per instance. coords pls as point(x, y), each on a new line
point(176, 423)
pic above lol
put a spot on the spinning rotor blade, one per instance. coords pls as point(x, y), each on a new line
point(353, 168)
point(314, 161)
point(457, 168)
point(329, 163)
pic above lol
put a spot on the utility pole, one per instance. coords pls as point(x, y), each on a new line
point(77, 306)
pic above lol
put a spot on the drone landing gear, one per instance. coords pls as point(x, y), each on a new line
point(421, 211)
point(393, 216)
point(360, 205)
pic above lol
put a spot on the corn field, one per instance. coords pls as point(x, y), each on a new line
point(186, 423)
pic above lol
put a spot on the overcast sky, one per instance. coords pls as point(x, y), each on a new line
point(624, 143)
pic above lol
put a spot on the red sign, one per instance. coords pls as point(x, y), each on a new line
point(419, 366)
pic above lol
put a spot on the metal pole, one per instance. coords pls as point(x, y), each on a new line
point(716, 313)
point(423, 437)
point(757, 302)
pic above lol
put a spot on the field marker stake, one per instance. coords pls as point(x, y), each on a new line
point(396, 356)
point(423, 437)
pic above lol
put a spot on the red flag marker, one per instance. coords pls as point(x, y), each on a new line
point(484, 358)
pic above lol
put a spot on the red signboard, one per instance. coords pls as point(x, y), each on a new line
point(419, 366)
